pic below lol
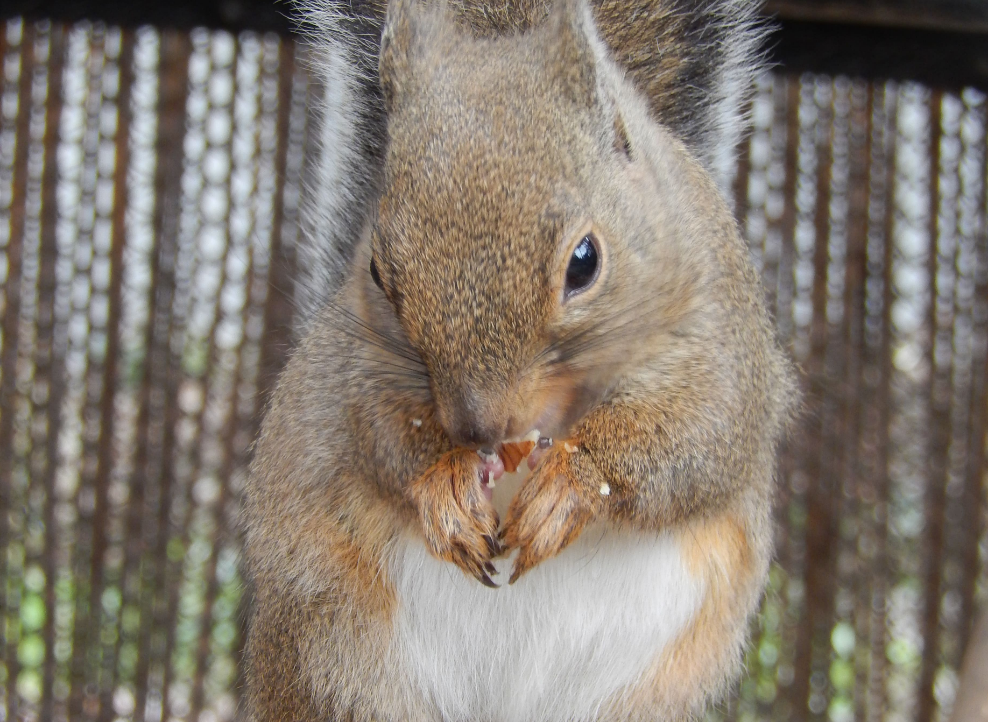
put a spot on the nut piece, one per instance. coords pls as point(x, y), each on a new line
point(605, 489)
point(512, 453)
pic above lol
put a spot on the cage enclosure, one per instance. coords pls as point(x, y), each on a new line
point(152, 165)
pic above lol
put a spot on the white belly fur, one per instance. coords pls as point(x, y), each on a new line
point(555, 645)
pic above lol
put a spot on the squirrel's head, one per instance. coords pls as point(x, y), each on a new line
point(513, 239)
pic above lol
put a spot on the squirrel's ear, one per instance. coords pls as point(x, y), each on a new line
point(401, 39)
point(396, 41)
point(570, 54)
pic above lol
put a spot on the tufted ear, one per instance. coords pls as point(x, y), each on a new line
point(570, 54)
point(408, 29)
point(570, 37)
point(396, 40)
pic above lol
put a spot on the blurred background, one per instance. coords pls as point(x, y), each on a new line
point(153, 158)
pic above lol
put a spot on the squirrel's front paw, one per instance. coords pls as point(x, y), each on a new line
point(557, 501)
point(458, 520)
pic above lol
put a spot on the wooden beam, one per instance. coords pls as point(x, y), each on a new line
point(963, 16)
point(946, 59)
point(939, 42)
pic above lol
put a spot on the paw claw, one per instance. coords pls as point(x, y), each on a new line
point(494, 546)
point(514, 577)
point(520, 568)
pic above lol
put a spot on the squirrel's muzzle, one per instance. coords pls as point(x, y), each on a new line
point(473, 419)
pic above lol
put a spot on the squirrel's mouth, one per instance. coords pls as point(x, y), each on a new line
point(510, 457)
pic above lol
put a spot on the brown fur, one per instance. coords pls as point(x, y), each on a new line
point(663, 377)
point(689, 673)
point(667, 47)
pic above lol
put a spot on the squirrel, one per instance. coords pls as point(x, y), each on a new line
point(525, 262)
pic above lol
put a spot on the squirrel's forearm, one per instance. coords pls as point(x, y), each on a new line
point(662, 463)
point(401, 440)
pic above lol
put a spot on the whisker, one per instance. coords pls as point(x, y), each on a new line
point(412, 370)
point(377, 338)
point(391, 372)
point(616, 327)
point(362, 331)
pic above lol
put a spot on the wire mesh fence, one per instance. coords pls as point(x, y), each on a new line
point(864, 205)
point(150, 183)
point(146, 185)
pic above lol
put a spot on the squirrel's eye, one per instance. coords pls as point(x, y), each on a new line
point(583, 266)
point(375, 275)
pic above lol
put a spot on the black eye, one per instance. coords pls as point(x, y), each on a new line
point(583, 266)
point(375, 275)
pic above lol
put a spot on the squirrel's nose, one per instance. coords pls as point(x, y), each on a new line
point(475, 434)
point(475, 422)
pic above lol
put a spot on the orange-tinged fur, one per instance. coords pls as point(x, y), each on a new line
point(551, 509)
point(718, 551)
point(458, 523)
